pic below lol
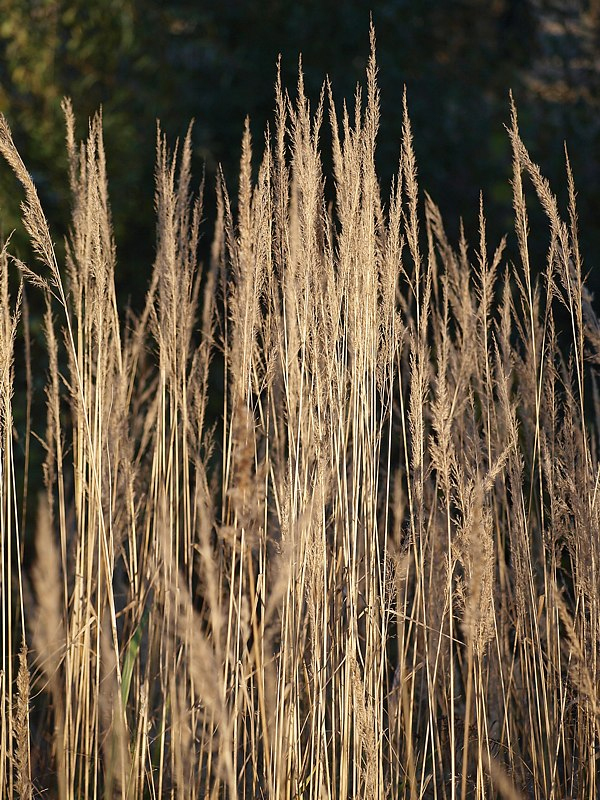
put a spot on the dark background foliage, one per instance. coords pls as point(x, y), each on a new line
point(216, 61)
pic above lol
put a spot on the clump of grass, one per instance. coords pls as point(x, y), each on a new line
point(383, 580)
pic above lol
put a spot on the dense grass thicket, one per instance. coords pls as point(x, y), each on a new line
point(379, 577)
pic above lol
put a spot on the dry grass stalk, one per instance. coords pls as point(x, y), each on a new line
point(23, 782)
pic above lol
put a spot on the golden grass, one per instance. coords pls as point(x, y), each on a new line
point(384, 580)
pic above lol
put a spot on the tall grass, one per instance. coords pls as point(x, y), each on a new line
point(380, 576)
